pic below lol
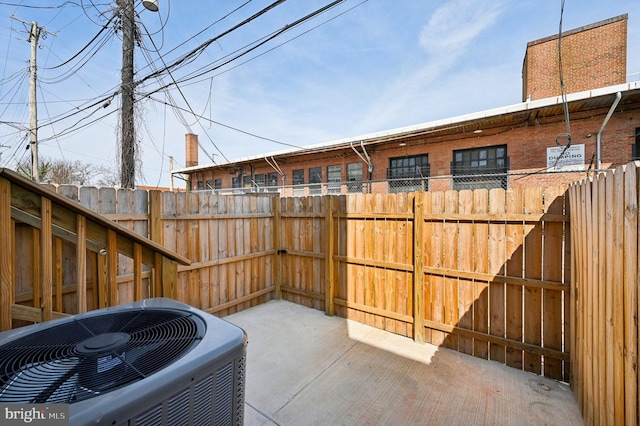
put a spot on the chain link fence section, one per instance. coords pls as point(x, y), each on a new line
point(432, 184)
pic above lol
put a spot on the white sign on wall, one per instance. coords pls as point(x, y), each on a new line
point(560, 158)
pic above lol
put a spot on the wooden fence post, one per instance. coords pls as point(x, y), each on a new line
point(156, 235)
point(418, 272)
point(46, 259)
point(329, 265)
point(7, 278)
point(277, 241)
point(81, 263)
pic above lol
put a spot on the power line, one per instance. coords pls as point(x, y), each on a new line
point(229, 127)
point(193, 54)
point(248, 50)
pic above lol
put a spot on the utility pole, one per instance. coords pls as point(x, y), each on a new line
point(34, 35)
point(171, 173)
point(127, 130)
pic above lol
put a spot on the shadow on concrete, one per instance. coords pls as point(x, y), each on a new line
point(305, 368)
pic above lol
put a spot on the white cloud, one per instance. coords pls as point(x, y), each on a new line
point(456, 24)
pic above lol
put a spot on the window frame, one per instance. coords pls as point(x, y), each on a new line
point(484, 167)
point(354, 185)
point(409, 173)
point(334, 184)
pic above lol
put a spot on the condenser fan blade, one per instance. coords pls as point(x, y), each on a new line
point(44, 382)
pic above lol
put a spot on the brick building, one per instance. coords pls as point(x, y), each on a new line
point(516, 145)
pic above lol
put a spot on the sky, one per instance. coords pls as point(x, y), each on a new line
point(359, 67)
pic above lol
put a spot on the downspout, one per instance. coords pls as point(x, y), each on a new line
point(274, 165)
point(604, 123)
point(364, 158)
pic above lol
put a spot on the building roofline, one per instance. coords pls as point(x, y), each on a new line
point(428, 126)
point(622, 17)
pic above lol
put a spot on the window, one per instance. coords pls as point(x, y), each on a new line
point(334, 178)
point(315, 180)
point(298, 182)
point(236, 182)
point(200, 185)
point(408, 174)
point(354, 177)
point(272, 181)
point(217, 184)
point(208, 185)
point(635, 148)
point(247, 182)
point(260, 181)
point(476, 168)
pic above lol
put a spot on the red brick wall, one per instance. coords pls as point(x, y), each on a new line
point(526, 147)
point(593, 56)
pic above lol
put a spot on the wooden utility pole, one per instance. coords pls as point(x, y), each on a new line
point(127, 130)
point(34, 35)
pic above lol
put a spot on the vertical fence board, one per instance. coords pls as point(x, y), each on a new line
point(380, 274)
point(481, 264)
point(552, 271)
point(369, 250)
point(618, 293)
point(513, 293)
point(606, 190)
point(391, 245)
point(465, 264)
point(496, 268)
point(405, 257)
point(630, 278)
point(451, 262)
point(599, 296)
point(343, 288)
point(533, 269)
point(428, 262)
point(437, 281)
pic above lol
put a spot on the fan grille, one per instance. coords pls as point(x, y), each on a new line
point(53, 365)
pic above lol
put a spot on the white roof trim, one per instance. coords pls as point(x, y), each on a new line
point(457, 120)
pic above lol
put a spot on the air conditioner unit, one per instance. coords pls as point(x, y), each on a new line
point(154, 362)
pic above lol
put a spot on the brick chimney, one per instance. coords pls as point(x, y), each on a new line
point(593, 56)
point(191, 142)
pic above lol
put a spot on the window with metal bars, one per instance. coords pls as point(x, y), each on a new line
point(408, 173)
point(476, 168)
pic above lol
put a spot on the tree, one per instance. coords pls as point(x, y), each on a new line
point(66, 172)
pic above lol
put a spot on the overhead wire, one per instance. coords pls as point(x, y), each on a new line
point(194, 114)
point(233, 128)
point(104, 27)
point(254, 46)
point(194, 53)
point(207, 27)
point(279, 45)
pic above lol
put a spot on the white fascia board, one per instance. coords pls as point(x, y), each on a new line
point(457, 120)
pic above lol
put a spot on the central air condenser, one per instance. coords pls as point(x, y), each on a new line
point(154, 362)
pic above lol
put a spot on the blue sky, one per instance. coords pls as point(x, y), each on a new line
point(361, 67)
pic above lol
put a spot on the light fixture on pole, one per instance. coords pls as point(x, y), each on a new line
point(151, 5)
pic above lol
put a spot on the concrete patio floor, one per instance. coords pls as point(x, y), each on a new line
point(305, 368)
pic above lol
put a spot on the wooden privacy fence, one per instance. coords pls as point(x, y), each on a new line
point(605, 301)
point(484, 272)
point(35, 224)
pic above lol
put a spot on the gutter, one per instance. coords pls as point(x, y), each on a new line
point(604, 123)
